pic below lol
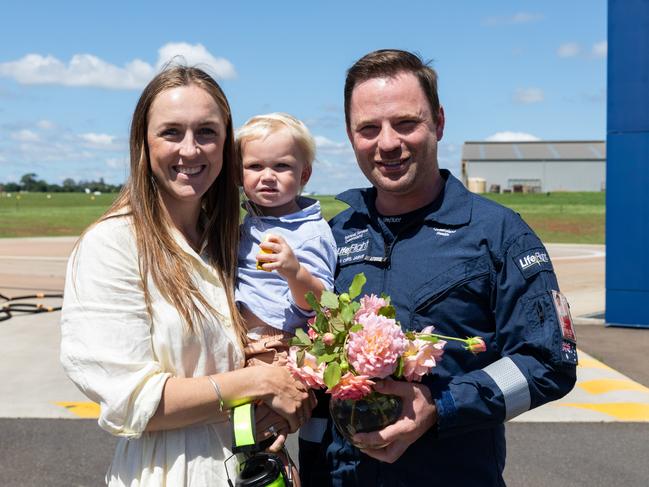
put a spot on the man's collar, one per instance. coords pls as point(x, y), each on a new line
point(452, 207)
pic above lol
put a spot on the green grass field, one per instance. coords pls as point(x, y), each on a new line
point(558, 217)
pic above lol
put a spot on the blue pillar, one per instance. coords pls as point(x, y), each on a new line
point(627, 168)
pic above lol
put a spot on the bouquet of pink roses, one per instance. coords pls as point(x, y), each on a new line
point(348, 343)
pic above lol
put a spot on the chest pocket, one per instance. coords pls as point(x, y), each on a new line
point(462, 293)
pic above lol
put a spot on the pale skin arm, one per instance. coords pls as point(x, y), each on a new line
point(188, 401)
point(300, 281)
point(419, 414)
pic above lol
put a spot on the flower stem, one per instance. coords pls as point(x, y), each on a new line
point(444, 337)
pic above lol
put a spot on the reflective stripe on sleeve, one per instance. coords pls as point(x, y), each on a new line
point(513, 384)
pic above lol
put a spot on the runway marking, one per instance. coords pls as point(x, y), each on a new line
point(602, 386)
point(86, 410)
point(591, 363)
point(623, 411)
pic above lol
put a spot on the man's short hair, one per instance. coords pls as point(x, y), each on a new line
point(388, 63)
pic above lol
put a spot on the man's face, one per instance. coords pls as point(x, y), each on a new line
point(394, 137)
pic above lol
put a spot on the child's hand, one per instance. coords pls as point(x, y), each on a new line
point(281, 257)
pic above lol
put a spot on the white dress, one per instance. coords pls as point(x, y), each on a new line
point(121, 357)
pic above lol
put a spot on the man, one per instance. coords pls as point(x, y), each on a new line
point(448, 258)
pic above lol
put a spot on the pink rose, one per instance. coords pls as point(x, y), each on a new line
point(375, 349)
point(328, 339)
point(311, 373)
point(420, 357)
point(311, 333)
point(476, 345)
point(370, 305)
point(352, 387)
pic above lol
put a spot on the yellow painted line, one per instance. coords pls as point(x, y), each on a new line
point(624, 411)
point(86, 410)
point(591, 363)
point(602, 386)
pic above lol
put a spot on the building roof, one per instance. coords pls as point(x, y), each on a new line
point(542, 150)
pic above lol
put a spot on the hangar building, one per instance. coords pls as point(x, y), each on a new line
point(539, 166)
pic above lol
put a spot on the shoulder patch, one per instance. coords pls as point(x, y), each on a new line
point(532, 261)
point(569, 353)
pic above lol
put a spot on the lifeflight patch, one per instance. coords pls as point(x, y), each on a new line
point(532, 261)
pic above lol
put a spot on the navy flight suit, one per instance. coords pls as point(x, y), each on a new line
point(469, 267)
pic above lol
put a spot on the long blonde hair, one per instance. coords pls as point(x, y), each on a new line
point(159, 254)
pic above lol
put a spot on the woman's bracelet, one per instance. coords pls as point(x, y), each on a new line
point(217, 389)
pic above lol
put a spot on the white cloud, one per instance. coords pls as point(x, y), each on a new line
point(98, 139)
point(569, 49)
point(528, 95)
point(600, 49)
point(45, 124)
point(517, 18)
point(328, 146)
point(195, 55)
point(25, 136)
point(116, 162)
point(89, 70)
point(82, 70)
point(507, 136)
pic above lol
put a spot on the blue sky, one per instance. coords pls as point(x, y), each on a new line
point(71, 72)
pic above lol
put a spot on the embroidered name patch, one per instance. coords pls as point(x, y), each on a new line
point(353, 252)
point(533, 261)
point(357, 235)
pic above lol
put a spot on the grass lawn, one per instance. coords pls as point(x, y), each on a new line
point(558, 217)
point(36, 215)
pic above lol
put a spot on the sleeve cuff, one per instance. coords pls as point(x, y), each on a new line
point(446, 411)
point(143, 407)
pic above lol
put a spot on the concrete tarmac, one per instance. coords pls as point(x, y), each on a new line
point(578, 443)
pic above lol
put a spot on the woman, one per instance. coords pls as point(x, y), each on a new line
point(149, 326)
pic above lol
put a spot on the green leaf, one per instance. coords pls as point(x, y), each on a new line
point(355, 328)
point(299, 358)
point(301, 335)
point(347, 314)
point(337, 324)
point(332, 375)
point(327, 357)
point(399, 371)
point(318, 348)
point(329, 300)
point(321, 324)
point(357, 285)
point(388, 311)
point(313, 302)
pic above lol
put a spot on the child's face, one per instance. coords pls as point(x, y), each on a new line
point(274, 172)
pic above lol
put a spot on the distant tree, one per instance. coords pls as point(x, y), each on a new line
point(54, 188)
point(28, 181)
point(69, 185)
point(12, 187)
